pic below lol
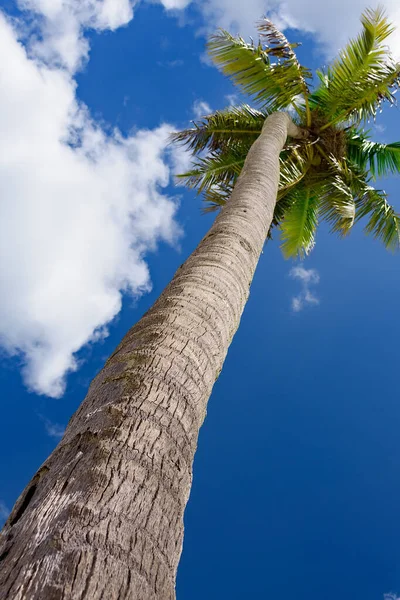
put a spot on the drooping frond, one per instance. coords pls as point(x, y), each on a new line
point(300, 223)
point(336, 193)
point(273, 84)
point(214, 170)
point(293, 167)
point(364, 75)
point(223, 128)
point(380, 159)
point(359, 200)
point(278, 46)
point(217, 196)
point(383, 221)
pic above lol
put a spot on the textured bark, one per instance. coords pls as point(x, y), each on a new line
point(103, 517)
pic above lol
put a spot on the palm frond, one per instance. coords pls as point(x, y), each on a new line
point(380, 159)
point(364, 75)
point(383, 221)
point(337, 204)
point(274, 85)
point(293, 167)
point(352, 183)
point(215, 169)
point(223, 128)
point(278, 45)
point(216, 197)
point(300, 223)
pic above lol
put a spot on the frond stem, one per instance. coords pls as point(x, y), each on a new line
point(323, 154)
point(296, 108)
point(290, 185)
point(308, 111)
point(333, 122)
point(247, 131)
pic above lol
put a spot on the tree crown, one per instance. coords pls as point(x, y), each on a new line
point(330, 175)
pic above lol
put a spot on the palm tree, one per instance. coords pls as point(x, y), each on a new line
point(103, 517)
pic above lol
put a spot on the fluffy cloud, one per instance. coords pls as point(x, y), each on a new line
point(201, 108)
point(80, 208)
point(235, 15)
point(391, 596)
point(175, 4)
point(62, 23)
point(332, 23)
point(53, 430)
point(306, 297)
point(232, 99)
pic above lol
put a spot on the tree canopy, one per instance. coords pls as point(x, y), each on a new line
point(330, 175)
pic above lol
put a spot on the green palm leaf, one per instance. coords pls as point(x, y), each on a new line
point(363, 76)
point(337, 204)
point(215, 170)
point(223, 128)
point(217, 196)
point(300, 223)
point(293, 168)
point(380, 159)
point(274, 85)
point(383, 221)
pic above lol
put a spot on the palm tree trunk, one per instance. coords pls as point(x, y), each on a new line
point(103, 517)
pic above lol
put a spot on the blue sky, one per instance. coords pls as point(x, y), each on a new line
point(297, 480)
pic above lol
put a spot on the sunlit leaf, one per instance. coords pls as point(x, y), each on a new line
point(362, 77)
point(300, 223)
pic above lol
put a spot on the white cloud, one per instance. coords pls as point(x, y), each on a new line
point(54, 430)
point(4, 512)
point(306, 276)
point(236, 15)
point(391, 596)
point(306, 297)
point(175, 4)
point(379, 128)
point(334, 23)
point(171, 64)
point(62, 23)
point(181, 161)
point(201, 108)
point(232, 99)
point(76, 218)
point(331, 22)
